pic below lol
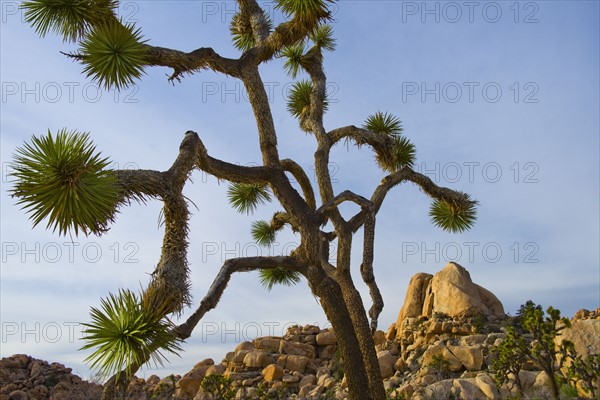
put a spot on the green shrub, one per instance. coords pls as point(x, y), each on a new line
point(218, 386)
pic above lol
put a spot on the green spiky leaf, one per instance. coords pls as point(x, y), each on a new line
point(241, 31)
point(452, 217)
point(278, 276)
point(384, 123)
point(401, 153)
point(63, 179)
point(404, 152)
point(246, 197)
point(306, 12)
point(263, 233)
point(69, 18)
point(322, 37)
point(299, 98)
point(293, 62)
point(114, 55)
point(127, 330)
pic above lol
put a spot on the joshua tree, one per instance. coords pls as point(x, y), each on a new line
point(62, 179)
point(541, 349)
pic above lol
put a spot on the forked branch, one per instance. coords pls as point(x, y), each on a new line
point(231, 266)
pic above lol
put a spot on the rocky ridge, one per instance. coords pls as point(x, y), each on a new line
point(442, 345)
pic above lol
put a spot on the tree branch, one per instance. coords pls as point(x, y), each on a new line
point(231, 172)
point(140, 184)
point(379, 142)
point(256, 15)
point(199, 59)
point(346, 195)
point(296, 170)
point(262, 112)
point(427, 185)
point(285, 34)
point(231, 266)
point(366, 268)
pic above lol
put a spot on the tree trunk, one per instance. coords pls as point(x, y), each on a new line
point(364, 334)
point(349, 345)
point(553, 384)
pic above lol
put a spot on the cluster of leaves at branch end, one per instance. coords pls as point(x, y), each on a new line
point(322, 37)
point(71, 19)
point(452, 216)
point(305, 12)
point(114, 54)
point(294, 59)
point(384, 123)
point(263, 233)
point(399, 152)
point(63, 178)
point(296, 56)
point(241, 31)
point(246, 197)
point(127, 331)
point(278, 276)
point(300, 98)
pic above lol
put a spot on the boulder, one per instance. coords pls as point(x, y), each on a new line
point(451, 292)
point(296, 363)
point(268, 344)
point(455, 294)
point(308, 380)
point(415, 297)
point(440, 349)
point(487, 387)
point(386, 363)
point(272, 372)
point(585, 335)
point(471, 357)
point(188, 386)
point(300, 349)
point(466, 389)
point(326, 338)
point(256, 359)
point(215, 370)
point(327, 352)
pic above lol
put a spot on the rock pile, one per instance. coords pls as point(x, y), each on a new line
point(302, 362)
point(25, 378)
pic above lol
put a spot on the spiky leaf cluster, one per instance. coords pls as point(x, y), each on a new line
point(293, 56)
point(453, 217)
point(246, 197)
point(71, 19)
point(278, 276)
point(126, 331)
point(241, 31)
point(400, 152)
point(299, 99)
point(306, 12)
point(263, 233)
point(64, 180)
point(322, 37)
point(384, 123)
point(297, 57)
point(114, 54)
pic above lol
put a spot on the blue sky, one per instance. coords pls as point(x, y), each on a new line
point(501, 100)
